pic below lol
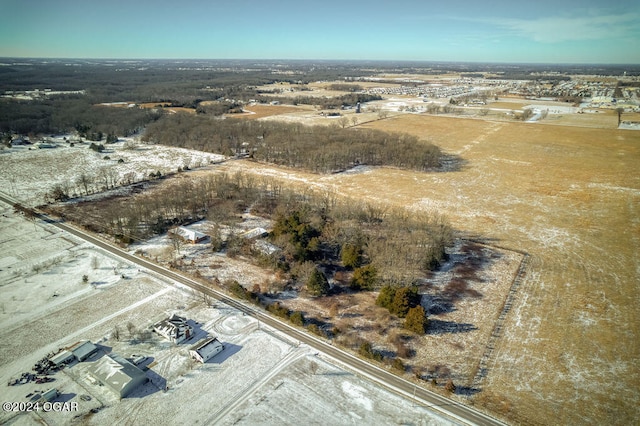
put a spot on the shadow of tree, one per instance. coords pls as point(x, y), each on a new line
point(451, 163)
point(447, 327)
point(467, 390)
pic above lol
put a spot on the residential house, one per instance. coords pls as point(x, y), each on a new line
point(175, 329)
point(208, 349)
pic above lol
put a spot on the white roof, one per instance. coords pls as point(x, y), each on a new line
point(189, 234)
point(209, 347)
point(255, 232)
point(116, 372)
point(61, 357)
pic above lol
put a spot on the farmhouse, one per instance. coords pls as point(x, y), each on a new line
point(117, 374)
point(189, 235)
point(175, 329)
point(208, 349)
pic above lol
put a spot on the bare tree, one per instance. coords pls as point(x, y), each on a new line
point(104, 176)
point(619, 111)
point(85, 180)
point(131, 328)
point(176, 240)
point(115, 334)
point(129, 178)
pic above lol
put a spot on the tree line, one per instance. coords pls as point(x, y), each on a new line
point(69, 113)
point(350, 99)
point(320, 149)
point(317, 234)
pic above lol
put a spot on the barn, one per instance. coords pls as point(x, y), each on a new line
point(117, 374)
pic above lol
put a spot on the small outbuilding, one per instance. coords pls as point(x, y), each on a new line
point(117, 374)
point(83, 350)
point(175, 329)
point(49, 395)
point(208, 349)
point(255, 233)
point(62, 357)
point(189, 235)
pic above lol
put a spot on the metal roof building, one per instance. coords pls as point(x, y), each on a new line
point(189, 235)
point(117, 374)
point(62, 357)
point(83, 350)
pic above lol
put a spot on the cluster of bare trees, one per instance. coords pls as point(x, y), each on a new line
point(396, 247)
point(345, 87)
point(86, 183)
point(350, 99)
point(321, 149)
point(433, 108)
point(170, 202)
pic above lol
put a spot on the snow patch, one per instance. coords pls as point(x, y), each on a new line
point(357, 394)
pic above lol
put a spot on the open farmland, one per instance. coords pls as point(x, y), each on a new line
point(569, 196)
point(559, 198)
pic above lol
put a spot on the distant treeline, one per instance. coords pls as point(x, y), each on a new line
point(345, 87)
point(350, 99)
point(68, 113)
point(321, 149)
point(154, 81)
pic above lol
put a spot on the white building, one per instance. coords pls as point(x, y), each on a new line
point(117, 374)
point(206, 350)
point(189, 235)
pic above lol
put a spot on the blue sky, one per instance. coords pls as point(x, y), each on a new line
point(559, 31)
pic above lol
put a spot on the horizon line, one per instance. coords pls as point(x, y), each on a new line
point(616, 64)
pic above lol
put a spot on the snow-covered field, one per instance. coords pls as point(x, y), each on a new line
point(28, 173)
point(46, 303)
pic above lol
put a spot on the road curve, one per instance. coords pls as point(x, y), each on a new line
point(423, 397)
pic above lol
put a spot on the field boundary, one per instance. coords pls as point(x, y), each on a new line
point(482, 369)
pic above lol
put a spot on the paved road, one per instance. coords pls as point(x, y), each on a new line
point(444, 406)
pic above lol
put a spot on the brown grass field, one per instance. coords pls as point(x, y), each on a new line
point(605, 119)
point(569, 196)
point(154, 104)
